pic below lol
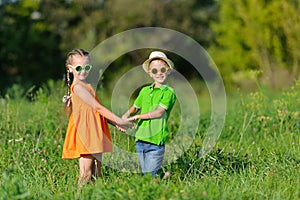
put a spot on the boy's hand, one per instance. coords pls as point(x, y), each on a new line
point(134, 118)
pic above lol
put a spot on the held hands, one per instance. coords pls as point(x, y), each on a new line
point(124, 125)
point(127, 123)
point(131, 119)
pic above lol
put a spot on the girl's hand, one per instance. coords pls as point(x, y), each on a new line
point(126, 123)
point(122, 129)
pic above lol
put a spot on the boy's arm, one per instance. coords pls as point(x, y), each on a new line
point(131, 111)
point(154, 114)
point(166, 103)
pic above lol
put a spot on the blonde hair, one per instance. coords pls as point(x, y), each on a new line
point(76, 52)
point(67, 98)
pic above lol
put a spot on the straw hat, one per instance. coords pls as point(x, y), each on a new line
point(159, 55)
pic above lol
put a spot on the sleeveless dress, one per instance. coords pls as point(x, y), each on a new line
point(88, 131)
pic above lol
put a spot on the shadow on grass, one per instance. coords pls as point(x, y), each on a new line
point(216, 163)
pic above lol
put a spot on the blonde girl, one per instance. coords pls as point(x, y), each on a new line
point(88, 134)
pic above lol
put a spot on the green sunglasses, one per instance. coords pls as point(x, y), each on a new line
point(79, 68)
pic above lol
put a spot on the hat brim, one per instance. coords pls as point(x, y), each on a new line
point(146, 63)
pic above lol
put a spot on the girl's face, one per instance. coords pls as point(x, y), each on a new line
point(79, 67)
point(159, 70)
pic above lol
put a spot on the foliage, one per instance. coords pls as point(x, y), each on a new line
point(259, 147)
point(259, 36)
point(48, 29)
point(29, 46)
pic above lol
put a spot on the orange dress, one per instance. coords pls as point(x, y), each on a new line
point(88, 131)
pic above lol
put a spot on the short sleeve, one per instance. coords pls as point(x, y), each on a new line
point(138, 101)
point(168, 99)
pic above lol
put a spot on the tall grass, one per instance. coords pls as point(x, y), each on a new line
point(256, 157)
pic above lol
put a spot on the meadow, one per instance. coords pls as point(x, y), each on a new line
point(257, 156)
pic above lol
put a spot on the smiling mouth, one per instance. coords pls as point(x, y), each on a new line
point(159, 76)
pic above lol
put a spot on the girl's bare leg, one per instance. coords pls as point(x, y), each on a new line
point(85, 169)
point(97, 166)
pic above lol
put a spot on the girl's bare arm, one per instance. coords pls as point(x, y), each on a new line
point(89, 99)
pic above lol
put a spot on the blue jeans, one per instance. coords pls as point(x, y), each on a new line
point(151, 156)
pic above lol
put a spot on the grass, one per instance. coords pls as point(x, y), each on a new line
point(257, 155)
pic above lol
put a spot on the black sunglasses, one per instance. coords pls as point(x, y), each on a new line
point(162, 70)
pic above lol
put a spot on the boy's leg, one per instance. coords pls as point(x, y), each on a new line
point(154, 156)
point(140, 151)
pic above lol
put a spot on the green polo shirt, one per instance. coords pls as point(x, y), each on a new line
point(154, 130)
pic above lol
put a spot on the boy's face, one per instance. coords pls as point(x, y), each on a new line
point(77, 62)
point(159, 70)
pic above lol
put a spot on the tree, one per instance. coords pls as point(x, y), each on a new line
point(29, 47)
point(257, 35)
point(87, 23)
point(47, 30)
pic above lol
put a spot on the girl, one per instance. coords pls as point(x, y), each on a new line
point(88, 134)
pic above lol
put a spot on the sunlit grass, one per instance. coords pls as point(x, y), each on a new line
point(256, 157)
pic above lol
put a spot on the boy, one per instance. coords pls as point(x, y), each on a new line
point(154, 103)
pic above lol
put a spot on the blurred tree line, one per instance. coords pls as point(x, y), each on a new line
point(257, 41)
point(249, 40)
